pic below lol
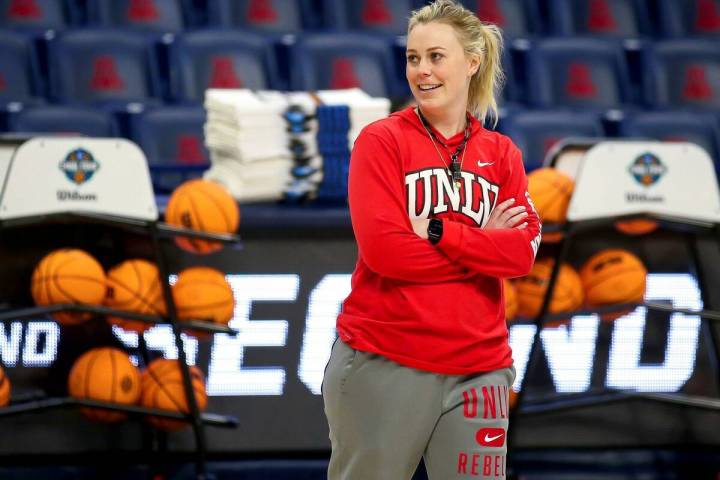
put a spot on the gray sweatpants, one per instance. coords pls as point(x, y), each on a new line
point(384, 417)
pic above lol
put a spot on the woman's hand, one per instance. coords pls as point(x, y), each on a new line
point(507, 216)
point(420, 227)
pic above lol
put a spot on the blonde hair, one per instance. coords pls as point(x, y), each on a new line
point(477, 38)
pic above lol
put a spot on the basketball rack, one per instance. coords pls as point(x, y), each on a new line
point(585, 161)
point(123, 164)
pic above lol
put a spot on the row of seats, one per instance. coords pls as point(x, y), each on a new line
point(113, 67)
point(537, 131)
point(172, 137)
point(617, 18)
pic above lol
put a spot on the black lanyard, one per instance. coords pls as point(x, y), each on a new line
point(454, 164)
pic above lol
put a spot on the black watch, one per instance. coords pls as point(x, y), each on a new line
point(435, 229)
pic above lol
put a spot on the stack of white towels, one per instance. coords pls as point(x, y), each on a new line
point(263, 144)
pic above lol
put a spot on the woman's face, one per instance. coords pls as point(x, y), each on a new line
point(437, 69)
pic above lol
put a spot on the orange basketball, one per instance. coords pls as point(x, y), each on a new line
point(162, 388)
point(511, 300)
point(202, 205)
point(134, 285)
point(613, 276)
point(68, 276)
point(513, 399)
point(105, 374)
point(550, 191)
point(639, 226)
point(567, 294)
point(202, 293)
point(4, 388)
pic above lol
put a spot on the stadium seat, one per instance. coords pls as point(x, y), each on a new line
point(535, 132)
point(172, 139)
point(271, 16)
point(683, 18)
point(19, 69)
point(700, 128)
point(379, 16)
point(220, 59)
point(146, 15)
point(103, 67)
point(37, 14)
point(611, 18)
point(63, 119)
point(344, 60)
point(517, 18)
point(511, 91)
point(578, 73)
point(683, 74)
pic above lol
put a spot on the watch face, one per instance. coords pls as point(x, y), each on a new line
point(434, 230)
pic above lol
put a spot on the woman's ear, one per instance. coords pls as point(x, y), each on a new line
point(473, 64)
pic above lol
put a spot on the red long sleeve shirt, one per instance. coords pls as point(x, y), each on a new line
point(439, 307)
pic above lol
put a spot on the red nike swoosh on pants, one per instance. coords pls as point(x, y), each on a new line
point(491, 437)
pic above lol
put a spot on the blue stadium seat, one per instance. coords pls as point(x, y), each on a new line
point(344, 60)
point(517, 18)
point(37, 14)
point(700, 128)
point(220, 59)
point(19, 69)
point(146, 15)
point(63, 119)
point(578, 73)
point(272, 16)
point(683, 18)
point(380, 16)
point(683, 74)
point(104, 67)
point(511, 91)
point(611, 18)
point(535, 132)
point(172, 139)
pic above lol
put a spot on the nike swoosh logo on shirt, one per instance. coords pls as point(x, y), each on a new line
point(490, 439)
point(485, 164)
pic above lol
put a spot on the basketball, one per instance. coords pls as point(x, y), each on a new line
point(162, 388)
point(639, 226)
point(613, 276)
point(4, 388)
point(68, 276)
point(202, 293)
point(202, 205)
point(105, 374)
point(511, 301)
point(550, 191)
point(567, 294)
point(134, 285)
point(513, 399)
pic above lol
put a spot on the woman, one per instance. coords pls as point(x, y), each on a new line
point(439, 207)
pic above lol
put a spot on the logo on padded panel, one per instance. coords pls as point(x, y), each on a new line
point(79, 166)
point(647, 169)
